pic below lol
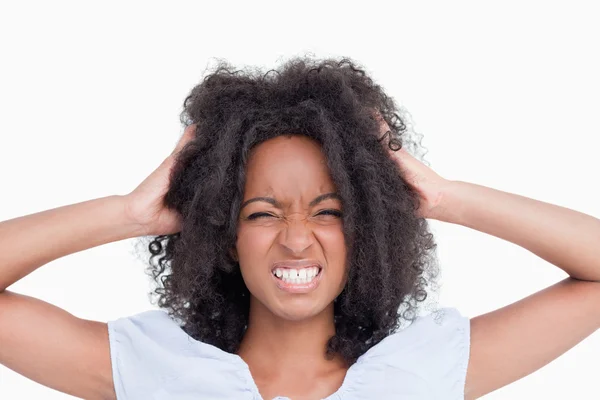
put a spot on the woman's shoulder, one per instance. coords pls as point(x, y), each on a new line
point(437, 332)
point(153, 357)
point(430, 355)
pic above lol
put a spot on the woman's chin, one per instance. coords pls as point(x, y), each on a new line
point(298, 312)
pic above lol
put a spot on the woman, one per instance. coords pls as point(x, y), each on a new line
point(290, 242)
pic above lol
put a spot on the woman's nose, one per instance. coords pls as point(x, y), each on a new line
point(296, 234)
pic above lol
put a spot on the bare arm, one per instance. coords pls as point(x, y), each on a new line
point(48, 344)
point(39, 340)
point(512, 342)
point(28, 242)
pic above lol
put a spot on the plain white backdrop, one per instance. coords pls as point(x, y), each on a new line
point(505, 94)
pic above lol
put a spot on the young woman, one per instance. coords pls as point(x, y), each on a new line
point(290, 240)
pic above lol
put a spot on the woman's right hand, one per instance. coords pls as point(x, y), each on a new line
point(144, 204)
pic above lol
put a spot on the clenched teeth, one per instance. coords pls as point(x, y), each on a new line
point(296, 276)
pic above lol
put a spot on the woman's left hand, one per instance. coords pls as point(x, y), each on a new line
point(430, 186)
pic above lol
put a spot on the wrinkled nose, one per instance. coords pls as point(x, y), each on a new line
point(296, 234)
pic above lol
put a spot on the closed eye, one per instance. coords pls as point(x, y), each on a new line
point(259, 215)
point(335, 213)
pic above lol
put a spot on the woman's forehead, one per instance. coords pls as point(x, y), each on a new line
point(278, 163)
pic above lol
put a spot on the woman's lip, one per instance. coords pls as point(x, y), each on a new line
point(298, 287)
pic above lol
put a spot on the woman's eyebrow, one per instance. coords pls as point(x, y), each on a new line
point(274, 202)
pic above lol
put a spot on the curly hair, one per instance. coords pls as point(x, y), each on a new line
point(390, 257)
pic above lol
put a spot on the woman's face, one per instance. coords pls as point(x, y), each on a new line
point(290, 229)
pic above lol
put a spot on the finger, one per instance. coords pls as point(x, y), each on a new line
point(383, 126)
point(188, 135)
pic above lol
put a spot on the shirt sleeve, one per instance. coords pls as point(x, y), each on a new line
point(153, 358)
point(139, 363)
point(449, 348)
point(429, 357)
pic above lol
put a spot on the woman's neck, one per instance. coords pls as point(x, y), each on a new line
point(273, 346)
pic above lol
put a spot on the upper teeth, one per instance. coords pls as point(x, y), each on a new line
point(293, 275)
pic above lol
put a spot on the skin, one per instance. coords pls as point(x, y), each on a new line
point(285, 343)
point(507, 344)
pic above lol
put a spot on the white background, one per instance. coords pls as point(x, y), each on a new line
point(505, 94)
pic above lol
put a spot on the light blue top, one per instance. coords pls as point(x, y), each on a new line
point(154, 359)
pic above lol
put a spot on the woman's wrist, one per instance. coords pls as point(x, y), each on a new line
point(138, 226)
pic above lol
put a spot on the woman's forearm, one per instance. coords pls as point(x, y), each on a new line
point(566, 238)
point(30, 241)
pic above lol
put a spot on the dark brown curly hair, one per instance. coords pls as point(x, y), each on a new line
point(391, 253)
